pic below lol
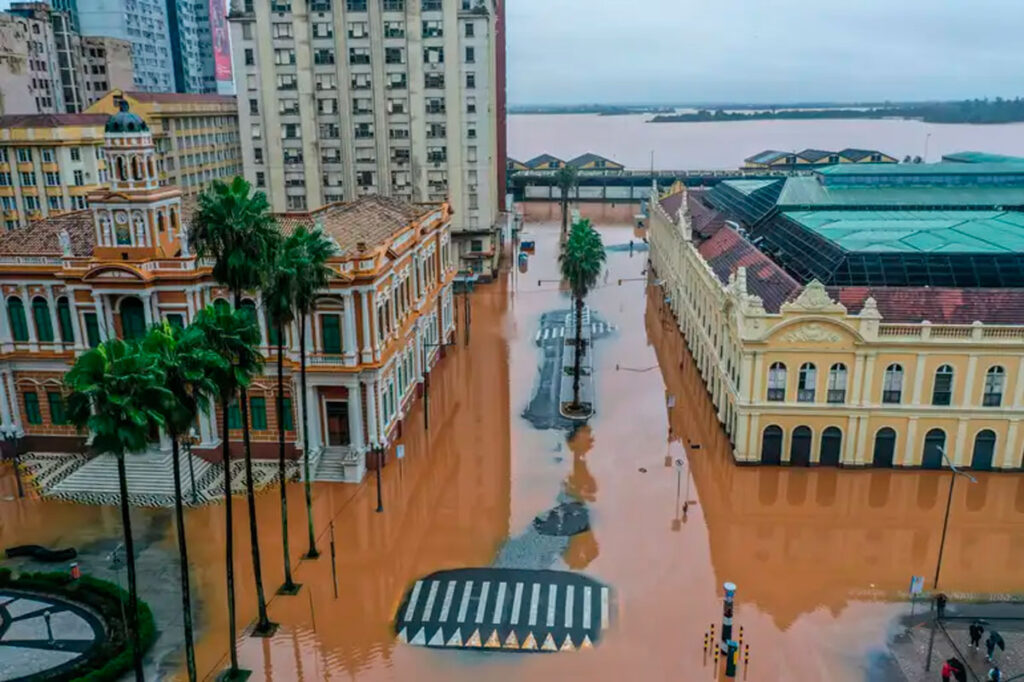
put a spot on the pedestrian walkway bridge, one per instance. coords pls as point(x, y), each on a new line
point(503, 608)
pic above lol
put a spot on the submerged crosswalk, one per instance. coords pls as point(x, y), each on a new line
point(517, 609)
point(560, 332)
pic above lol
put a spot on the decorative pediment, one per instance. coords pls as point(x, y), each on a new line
point(113, 272)
point(813, 299)
point(811, 333)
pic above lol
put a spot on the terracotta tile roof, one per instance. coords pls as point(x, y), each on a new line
point(672, 202)
point(704, 219)
point(727, 250)
point(180, 97)
point(41, 237)
point(372, 220)
point(940, 305)
point(52, 120)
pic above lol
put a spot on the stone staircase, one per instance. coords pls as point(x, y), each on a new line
point(340, 465)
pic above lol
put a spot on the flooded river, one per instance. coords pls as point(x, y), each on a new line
point(819, 556)
point(720, 145)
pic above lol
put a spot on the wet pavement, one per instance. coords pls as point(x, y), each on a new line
point(819, 556)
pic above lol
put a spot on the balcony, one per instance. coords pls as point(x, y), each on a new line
point(325, 359)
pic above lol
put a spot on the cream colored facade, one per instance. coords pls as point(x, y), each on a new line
point(343, 99)
point(894, 372)
point(106, 65)
point(196, 135)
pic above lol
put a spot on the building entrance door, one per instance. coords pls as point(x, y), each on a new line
point(337, 423)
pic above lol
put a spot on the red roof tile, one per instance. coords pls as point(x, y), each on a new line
point(672, 202)
point(940, 305)
point(52, 120)
point(42, 237)
point(180, 97)
point(704, 220)
point(727, 250)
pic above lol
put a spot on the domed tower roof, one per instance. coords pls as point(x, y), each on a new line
point(125, 121)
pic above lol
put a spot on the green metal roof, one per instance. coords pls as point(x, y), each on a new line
point(941, 168)
point(974, 232)
point(981, 157)
point(749, 186)
point(810, 191)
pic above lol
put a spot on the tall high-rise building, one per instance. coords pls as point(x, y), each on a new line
point(30, 71)
point(191, 45)
point(106, 65)
point(342, 98)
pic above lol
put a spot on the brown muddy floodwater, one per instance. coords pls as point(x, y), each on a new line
point(819, 556)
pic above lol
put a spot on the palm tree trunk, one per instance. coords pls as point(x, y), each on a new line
point(229, 539)
point(186, 596)
point(578, 359)
point(565, 214)
point(312, 553)
point(129, 554)
point(289, 586)
point(263, 624)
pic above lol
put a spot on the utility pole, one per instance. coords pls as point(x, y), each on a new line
point(380, 465)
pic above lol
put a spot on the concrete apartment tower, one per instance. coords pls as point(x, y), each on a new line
point(342, 98)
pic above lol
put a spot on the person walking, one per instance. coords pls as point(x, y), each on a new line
point(995, 675)
point(990, 646)
point(947, 671)
point(976, 630)
point(940, 606)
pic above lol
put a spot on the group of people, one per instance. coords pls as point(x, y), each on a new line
point(954, 668)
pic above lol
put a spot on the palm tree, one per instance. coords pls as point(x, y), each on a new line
point(580, 261)
point(116, 393)
point(279, 302)
point(235, 228)
point(232, 335)
point(188, 368)
point(565, 178)
point(311, 276)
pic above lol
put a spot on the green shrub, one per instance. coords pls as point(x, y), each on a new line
point(109, 660)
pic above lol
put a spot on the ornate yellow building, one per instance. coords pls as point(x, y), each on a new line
point(850, 374)
point(71, 281)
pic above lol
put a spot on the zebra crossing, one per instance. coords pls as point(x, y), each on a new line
point(560, 332)
point(509, 609)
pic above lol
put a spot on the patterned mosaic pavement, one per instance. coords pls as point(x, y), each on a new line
point(42, 634)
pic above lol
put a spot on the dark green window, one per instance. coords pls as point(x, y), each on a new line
point(67, 334)
point(249, 308)
point(286, 409)
point(16, 315)
point(271, 333)
point(32, 413)
point(176, 320)
point(221, 306)
point(133, 319)
point(92, 329)
point(41, 316)
point(258, 413)
point(330, 333)
point(234, 416)
point(56, 401)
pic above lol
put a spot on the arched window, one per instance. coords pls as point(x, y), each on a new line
point(984, 448)
point(771, 445)
point(995, 381)
point(892, 384)
point(119, 167)
point(16, 316)
point(837, 383)
point(248, 306)
point(800, 447)
point(67, 333)
point(133, 319)
point(136, 168)
point(934, 447)
point(41, 317)
point(806, 382)
point(777, 381)
point(885, 447)
point(830, 452)
point(942, 390)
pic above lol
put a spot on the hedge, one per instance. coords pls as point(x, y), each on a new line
point(110, 659)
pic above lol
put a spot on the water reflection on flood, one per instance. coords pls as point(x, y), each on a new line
point(815, 553)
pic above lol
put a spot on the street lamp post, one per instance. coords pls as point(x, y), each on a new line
point(954, 472)
point(10, 433)
point(426, 381)
point(192, 438)
point(380, 465)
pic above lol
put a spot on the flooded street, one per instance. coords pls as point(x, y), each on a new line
point(819, 556)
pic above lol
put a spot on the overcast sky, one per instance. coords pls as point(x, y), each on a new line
point(577, 51)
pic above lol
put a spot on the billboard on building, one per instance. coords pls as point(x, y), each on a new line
point(221, 46)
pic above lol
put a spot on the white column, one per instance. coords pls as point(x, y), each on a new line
point(147, 307)
point(355, 417)
point(371, 408)
point(30, 319)
point(76, 322)
point(5, 407)
point(918, 380)
point(15, 408)
point(101, 318)
point(207, 426)
point(959, 455)
point(367, 350)
point(51, 303)
point(5, 327)
point(348, 329)
point(908, 447)
point(312, 343)
point(313, 401)
point(261, 319)
point(1009, 447)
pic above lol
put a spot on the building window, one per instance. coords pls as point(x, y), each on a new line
point(254, 107)
point(67, 334)
point(234, 416)
point(284, 57)
point(995, 380)
point(282, 29)
point(24, 155)
point(5, 179)
point(892, 384)
point(432, 28)
point(79, 178)
point(330, 334)
point(47, 155)
point(471, 105)
point(942, 391)
point(355, 5)
point(92, 329)
point(32, 413)
point(57, 415)
point(837, 383)
point(806, 381)
point(258, 413)
point(394, 55)
point(470, 55)
point(16, 318)
point(433, 55)
point(394, 5)
point(250, 55)
point(358, 55)
point(260, 179)
point(394, 29)
point(323, 29)
point(286, 412)
point(470, 29)
point(777, 382)
point(41, 317)
point(28, 179)
point(323, 55)
point(286, 81)
point(934, 449)
point(470, 80)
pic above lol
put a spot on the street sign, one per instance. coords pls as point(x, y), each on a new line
point(916, 584)
point(400, 451)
